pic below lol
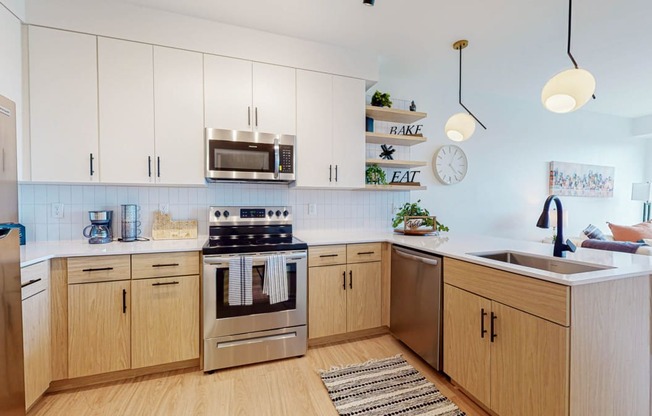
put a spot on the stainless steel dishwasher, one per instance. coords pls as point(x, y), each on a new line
point(416, 303)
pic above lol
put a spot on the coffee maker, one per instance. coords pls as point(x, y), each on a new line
point(100, 231)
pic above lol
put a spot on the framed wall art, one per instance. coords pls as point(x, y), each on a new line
point(575, 179)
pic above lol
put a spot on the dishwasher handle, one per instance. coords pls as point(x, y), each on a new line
point(432, 262)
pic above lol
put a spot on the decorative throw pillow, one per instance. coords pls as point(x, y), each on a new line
point(594, 233)
point(631, 233)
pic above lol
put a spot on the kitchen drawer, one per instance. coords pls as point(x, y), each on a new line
point(98, 269)
point(34, 278)
point(547, 300)
point(144, 266)
point(360, 253)
point(326, 255)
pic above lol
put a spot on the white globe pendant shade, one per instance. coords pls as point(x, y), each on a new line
point(568, 90)
point(460, 127)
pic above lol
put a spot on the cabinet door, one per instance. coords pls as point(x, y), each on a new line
point(363, 296)
point(274, 99)
point(349, 131)
point(227, 93)
point(63, 105)
point(314, 129)
point(179, 121)
point(164, 320)
point(466, 349)
point(98, 328)
point(36, 345)
point(326, 301)
point(529, 365)
point(126, 96)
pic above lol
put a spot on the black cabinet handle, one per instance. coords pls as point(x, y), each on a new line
point(328, 255)
point(350, 279)
point(31, 282)
point(256, 116)
point(165, 283)
point(493, 332)
point(101, 269)
point(330, 173)
point(124, 300)
point(335, 173)
point(158, 166)
point(91, 164)
point(249, 116)
point(482, 330)
point(166, 265)
point(149, 166)
point(365, 252)
point(344, 280)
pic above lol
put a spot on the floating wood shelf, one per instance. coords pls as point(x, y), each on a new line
point(393, 115)
point(396, 163)
point(393, 139)
point(393, 188)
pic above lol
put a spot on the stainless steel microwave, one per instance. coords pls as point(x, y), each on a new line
point(233, 155)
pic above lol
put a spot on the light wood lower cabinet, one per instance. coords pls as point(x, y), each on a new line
point(343, 297)
point(517, 365)
point(36, 331)
point(164, 320)
point(98, 328)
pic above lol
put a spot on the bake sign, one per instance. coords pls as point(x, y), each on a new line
point(412, 130)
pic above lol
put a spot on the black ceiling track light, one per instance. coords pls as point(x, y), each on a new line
point(368, 2)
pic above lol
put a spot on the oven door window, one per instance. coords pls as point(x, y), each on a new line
point(260, 301)
point(241, 157)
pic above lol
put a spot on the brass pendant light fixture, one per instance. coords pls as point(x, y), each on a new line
point(570, 89)
point(461, 126)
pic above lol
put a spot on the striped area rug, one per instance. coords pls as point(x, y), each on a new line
point(388, 386)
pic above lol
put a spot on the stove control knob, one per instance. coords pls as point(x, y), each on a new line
point(226, 214)
point(270, 213)
point(286, 213)
point(217, 214)
point(278, 213)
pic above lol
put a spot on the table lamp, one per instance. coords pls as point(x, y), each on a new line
point(643, 192)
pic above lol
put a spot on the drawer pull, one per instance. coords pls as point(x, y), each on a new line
point(124, 300)
point(101, 269)
point(344, 280)
point(482, 329)
point(350, 279)
point(328, 255)
point(166, 265)
point(31, 282)
point(165, 283)
point(366, 252)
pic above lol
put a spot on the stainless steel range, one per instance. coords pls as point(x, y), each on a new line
point(254, 287)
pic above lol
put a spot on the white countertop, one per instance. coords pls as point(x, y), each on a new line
point(452, 245)
point(459, 246)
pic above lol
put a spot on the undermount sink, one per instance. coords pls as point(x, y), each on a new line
point(542, 263)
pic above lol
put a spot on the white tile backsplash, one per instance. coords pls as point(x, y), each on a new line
point(336, 209)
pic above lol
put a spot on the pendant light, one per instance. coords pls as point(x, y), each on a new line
point(461, 126)
point(570, 89)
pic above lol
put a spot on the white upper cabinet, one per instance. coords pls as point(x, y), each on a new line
point(349, 131)
point(63, 106)
point(241, 95)
point(330, 131)
point(179, 116)
point(314, 129)
point(227, 93)
point(126, 108)
point(275, 103)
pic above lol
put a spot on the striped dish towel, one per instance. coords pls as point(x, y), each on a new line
point(276, 281)
point(240, 292)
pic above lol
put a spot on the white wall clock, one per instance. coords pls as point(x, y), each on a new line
point(449, 164)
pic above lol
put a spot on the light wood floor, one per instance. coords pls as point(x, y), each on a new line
point(284, 387)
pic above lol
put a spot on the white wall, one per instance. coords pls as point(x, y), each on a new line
point(17, 7)
point(507, 180)
point(157, 27)
point(339, 210)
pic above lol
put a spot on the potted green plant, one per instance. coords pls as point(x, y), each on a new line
point(414, 210)
point(375, 175)
point(381, 99)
